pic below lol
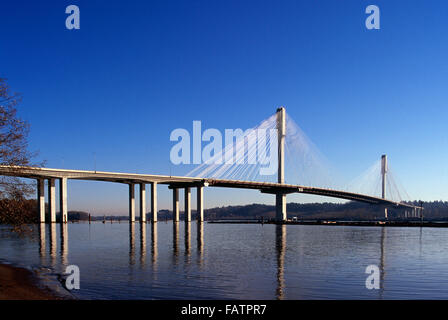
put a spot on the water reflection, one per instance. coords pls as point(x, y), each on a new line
point(200, 242)
point(280, 246)
point(142, 244)
point(175, 241)
point(382, 262)
point(420, 241)
point(53, 243)
point(131, 244)
point(187, 241)
point(314, 253)
point(64, 243)
point(154, 249)
point(42, 242)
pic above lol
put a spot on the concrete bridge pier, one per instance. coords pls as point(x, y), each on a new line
point(63, 200)
point(41, 199)
point(200, 203)
point(175, 205)
point(52, 200)
point(154, 202)
point(280, 198)
point(131, 203)
point(142, 202)
point(384, 170)
point(280, 207)
point(187, 214)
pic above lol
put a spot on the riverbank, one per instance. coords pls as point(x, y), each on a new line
point(432, 224)
point(22, 284)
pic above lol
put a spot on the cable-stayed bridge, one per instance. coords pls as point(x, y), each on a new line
point(214, 169)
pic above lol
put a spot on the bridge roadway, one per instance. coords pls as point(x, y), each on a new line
point(187, 182)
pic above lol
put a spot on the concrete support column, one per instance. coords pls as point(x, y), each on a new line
point(41, 199)
point(175, 205)
point(154, 201)
point(280, 199)
point(281, 133)
point(187, 214)
point(52, 199)
point(142, 202)
point(63, 200)
point(131, 203)
point(280, 206)
point(383, 175)
point(200, 203)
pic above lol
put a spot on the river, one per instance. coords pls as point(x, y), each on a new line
point(236, 261)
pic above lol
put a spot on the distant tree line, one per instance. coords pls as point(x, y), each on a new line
point(435, 210)
point(24, 211)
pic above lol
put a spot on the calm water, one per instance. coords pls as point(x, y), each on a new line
point(237, 261)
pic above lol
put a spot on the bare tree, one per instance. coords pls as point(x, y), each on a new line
point(13, 152)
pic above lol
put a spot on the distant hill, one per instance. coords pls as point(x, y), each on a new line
point(435, 210)
point(77, 215)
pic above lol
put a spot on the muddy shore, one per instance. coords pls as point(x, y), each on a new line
point(22, 284)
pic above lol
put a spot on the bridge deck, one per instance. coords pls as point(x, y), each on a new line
point(175, 181)
point(289, 188)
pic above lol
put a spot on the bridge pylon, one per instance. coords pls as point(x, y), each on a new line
point(383, 176)
point(280, 197)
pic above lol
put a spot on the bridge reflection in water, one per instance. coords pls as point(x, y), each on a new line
point(52, 247)
point(187, 242)
point(200, 243)
point(154, 247)
point(382, 262)
point(49, 231)
point(175, 243)
point(280, 246)
point(142, 244)
point(64, 243)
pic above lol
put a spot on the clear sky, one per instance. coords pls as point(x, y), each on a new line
point(107, 96)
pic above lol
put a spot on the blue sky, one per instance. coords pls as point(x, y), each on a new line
point(136, 70)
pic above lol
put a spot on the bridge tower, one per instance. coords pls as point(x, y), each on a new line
point(280, 198)
point(383, 176)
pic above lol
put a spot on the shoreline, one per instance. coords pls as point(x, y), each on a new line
point(323, 222)
point(22, 284)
